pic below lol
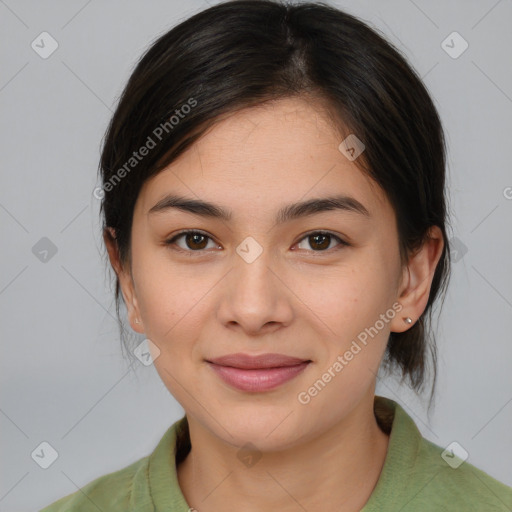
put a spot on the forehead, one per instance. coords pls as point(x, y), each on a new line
point(276, 153)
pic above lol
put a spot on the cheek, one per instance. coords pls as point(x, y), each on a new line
point(173, 307)
point(170, 296)
point(349, 298)
point(356, 312)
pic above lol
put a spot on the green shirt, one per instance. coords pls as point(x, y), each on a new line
point(414, 477)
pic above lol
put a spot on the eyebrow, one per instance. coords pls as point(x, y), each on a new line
point(285, 214)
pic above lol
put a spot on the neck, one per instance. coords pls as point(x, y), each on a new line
point(337, 469)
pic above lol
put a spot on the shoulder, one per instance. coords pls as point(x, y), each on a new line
point(145, 485)
point(112, 492)
point(420, 476)
point(451, 483)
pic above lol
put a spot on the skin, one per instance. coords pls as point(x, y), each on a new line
point(294, 299)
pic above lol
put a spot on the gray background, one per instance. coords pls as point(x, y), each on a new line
point(64, 379)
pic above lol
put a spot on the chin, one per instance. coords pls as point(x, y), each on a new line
point(267, 432)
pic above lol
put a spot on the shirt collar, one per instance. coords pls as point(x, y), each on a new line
point(404, 443)
point(403, 447)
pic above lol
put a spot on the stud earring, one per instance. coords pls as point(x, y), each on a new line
point(137, 321)
point(408, 320)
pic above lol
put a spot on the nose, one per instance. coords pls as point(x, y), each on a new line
point(255, 297)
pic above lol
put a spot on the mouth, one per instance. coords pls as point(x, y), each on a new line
point(257, 373)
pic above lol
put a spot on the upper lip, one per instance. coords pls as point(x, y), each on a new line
point(246, 361)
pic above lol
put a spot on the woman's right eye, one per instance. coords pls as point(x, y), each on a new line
point(194, 241)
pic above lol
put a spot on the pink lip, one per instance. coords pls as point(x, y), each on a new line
point(257, 373)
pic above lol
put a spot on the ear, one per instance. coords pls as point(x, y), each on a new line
point(417, 279)
point(125, 280)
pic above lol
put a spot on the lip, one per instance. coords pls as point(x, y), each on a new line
point(248, 362)
point(257, 373)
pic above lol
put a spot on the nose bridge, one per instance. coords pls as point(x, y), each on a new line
point(254, 295)
point(252, 264)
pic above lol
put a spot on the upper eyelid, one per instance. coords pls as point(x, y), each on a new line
point(187, 231)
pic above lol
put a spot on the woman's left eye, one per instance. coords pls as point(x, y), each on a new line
point(196, 241)
point(322, 240)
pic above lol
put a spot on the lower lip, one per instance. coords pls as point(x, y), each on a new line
point(263, 379)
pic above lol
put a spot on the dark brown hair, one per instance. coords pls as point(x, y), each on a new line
point(239, 54)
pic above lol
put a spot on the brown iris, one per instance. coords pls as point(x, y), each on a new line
point(192, 239)
point(321, 241)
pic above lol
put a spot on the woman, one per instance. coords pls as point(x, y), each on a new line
point(274, 210)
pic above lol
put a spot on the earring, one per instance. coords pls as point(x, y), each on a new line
point(137, 321)
point(408, 320)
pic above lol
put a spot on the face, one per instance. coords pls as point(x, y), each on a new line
point(306, 286)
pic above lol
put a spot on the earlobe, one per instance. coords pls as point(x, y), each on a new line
point(133, 309)
point(125, 280)
point(414, 294)
point(130, 299)
point(131, 304)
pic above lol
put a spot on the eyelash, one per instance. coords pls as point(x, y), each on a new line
point(172, 240)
